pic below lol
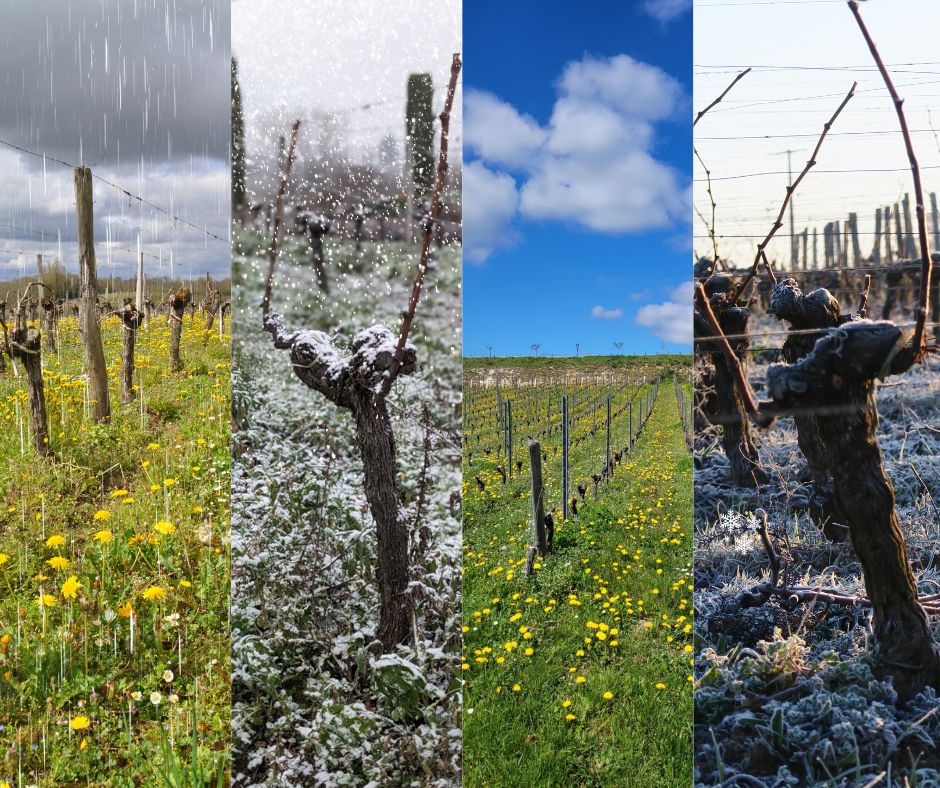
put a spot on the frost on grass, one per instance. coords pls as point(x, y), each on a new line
point(314, 702)
point(789, 694)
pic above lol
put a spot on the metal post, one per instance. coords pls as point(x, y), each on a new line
point(564, 455)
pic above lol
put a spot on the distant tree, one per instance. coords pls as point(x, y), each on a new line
point(419, 133)
point(535, 348)
point(577, 348)
point(618, 346)
point(238, 142)
point(490, 348)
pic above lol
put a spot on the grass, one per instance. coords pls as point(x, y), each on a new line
point(580, 674)
point(114, 569)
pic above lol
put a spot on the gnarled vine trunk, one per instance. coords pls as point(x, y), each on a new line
point(26, 344)
point(178, 303)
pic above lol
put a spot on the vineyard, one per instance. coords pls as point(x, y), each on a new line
point(577, 635)
point(305, 550)
point(114, 559)
point(817, 653)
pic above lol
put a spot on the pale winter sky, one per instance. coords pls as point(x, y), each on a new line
point(140, 93)
point(301, 59)
point(805, 56)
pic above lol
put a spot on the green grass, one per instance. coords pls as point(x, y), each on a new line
point(634, 539)
point(133, 516)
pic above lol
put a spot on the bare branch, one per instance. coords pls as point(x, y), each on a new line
point(278, 210)
point(778, 223)
point(723, 94)
point(917, 342)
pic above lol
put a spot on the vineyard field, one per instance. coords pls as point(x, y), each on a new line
point(114, 566)
point(568, 669)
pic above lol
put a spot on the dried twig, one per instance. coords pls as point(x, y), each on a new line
point(778, 223)
point(724, 93)
point(917, 341)
point(278, 210)
point(409, 315)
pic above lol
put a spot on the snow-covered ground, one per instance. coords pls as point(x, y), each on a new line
point(312, 703)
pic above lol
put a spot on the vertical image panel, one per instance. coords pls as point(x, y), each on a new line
point(114, 393)
point(816, 394)
point(347, 368)
point(577, 587)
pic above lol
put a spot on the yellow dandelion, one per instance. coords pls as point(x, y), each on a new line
point(55, 541)
point(164, 527)
point(125, 610)
point(4, 558)
point(104, 537)
point(153, 593)
point(79, 723)
point(516, 688)
point(58, 562)
point(102, 514)
point(120, 493)
point(47, 600)
point(608, 696)
point(71, 587)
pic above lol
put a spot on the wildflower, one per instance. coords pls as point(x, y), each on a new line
point(168, 676)
point(80, 723)
point(169, 482)
point(660, 685)
point(516, 688)
point(46, 600)
point(71, 587)
point(608, 696)
point(580, 680)
point(164, 527)
point(136, 695)
point(153, 593)
point(120, 493)
point(155, 698)
point(570, 717)
point(104, 537)
point(102, 514)
point(58, 562)
point(4, 558)
point(125, 610)
point(83, 745)
point(565, 704)
point(55, 541)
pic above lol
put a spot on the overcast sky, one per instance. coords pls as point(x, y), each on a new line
point(335, 56)
point(139, 91)
point(805, 57)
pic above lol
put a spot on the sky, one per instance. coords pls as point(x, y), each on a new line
point(346, 60)
point(138, 91)
point(577, 177)
point(800, 75)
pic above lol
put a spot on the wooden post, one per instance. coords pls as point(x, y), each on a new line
point(889, 254)
point(909, 252)
point(815, 255)
point(935, 215)
point(853, 231)
point(139, 289)
point(88, 300)
point(805, 260)
point(630, 422)
point(876, 248)
point(898, 232)
point(538, 498)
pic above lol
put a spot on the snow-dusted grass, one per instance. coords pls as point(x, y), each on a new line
point(313, 703)
point(789, 694)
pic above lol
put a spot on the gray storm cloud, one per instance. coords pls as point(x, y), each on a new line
point(116, 81)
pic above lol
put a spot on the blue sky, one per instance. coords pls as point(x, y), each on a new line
point(577, 161)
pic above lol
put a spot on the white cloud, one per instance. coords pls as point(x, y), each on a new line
point(593, 164)
point(489, 203)
point(671, 320)
point(666, 10)
point(495, 131)
point(606, 314)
